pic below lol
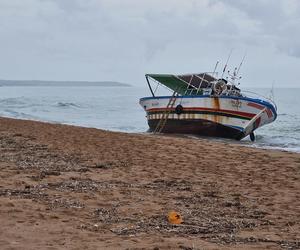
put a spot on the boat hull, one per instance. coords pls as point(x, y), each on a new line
point(197, 127)
point(228, 117)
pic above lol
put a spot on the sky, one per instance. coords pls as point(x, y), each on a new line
point(121, 40)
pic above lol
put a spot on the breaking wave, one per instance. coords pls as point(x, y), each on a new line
point(19, 115)
point(67, 105)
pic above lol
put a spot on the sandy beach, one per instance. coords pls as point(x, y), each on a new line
point(66, 187)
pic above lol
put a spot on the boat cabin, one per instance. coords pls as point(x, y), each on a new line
point(194, 84)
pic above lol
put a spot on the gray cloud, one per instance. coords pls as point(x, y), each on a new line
point(277, 22)
point(123, 39)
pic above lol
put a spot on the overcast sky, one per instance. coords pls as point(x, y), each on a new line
point(121, 40)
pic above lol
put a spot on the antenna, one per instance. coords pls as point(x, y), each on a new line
point(227, 62)
point(215, 68)
point(241, 63)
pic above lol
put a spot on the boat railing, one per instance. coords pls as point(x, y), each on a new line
point(248, 93)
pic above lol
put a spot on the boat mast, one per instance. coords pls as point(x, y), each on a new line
point(227, 62)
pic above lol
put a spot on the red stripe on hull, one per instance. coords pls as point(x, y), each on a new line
point(249, 115)
point(269, 113)
point(255, 105)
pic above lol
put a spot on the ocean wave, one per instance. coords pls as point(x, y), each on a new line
point(20, 115)
point(296, 129)
point(67, 105)
point(288, 149)
point(19, 103)
point(125, 128)
point(14, 102)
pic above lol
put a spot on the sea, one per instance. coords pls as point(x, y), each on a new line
point(117, 108)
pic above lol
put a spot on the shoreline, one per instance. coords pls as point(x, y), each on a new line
point(227, 141)
point(187, 136)
point(73, 187)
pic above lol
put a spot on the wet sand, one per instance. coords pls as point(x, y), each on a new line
point(65, 187)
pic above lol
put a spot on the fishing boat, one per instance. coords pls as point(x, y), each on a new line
point(205, 104)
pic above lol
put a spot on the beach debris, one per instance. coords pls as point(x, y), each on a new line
point(65, 203)
point(103, 165)
point(210, 212)
point(108, 164)
point(28, 155)
point(175, 218)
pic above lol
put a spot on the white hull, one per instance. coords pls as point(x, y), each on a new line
point(240, 113)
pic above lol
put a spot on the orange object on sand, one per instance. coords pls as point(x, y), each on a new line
point(175, 218)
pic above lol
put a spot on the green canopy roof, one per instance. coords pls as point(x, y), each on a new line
point(182, 83)
point(172, 82)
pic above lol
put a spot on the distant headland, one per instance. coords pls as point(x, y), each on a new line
point(62, 83)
